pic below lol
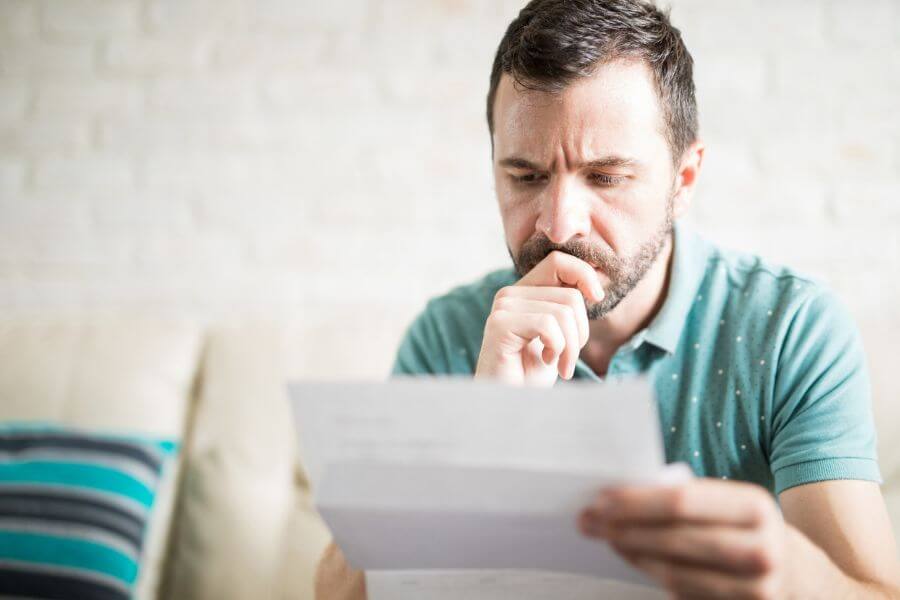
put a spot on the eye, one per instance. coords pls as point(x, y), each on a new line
point(604, 179)
point(528, 178)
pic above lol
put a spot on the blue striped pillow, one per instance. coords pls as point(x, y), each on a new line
point(74, 507)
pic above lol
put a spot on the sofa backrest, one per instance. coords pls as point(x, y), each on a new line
point(122, 375)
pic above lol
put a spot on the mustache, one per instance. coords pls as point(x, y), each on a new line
point(537, 248)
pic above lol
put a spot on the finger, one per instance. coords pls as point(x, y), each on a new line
point(689, 581)
point(521, 328)
point(728, 549)
point(561, 269)
point(563, 313)
point(702, 500)
point(569, 296)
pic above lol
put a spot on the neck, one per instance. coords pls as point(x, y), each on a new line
point(633, 313)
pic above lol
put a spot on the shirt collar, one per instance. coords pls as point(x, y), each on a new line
point(690, 256)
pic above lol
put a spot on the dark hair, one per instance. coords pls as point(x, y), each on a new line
point(553, 42)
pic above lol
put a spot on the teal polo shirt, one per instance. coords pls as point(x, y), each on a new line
point(759, 372)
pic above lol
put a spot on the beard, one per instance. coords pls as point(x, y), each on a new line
point(624, 273)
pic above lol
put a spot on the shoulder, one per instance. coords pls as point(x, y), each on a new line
point(471, 301)
point(763, 313)
point(753, 281)
point(445, 338)
point(776, 297)
point(794, 323)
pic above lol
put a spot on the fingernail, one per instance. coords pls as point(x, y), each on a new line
point(599, 293)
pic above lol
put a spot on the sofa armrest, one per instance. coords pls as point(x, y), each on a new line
point(239, 497)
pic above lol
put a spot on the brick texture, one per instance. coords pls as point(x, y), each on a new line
point(327, 163)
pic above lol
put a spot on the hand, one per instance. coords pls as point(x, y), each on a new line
point(538, 326)
point(335, 580)
point(703, 539)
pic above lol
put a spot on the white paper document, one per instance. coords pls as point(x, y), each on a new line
point(501, 585)
point(452, 488)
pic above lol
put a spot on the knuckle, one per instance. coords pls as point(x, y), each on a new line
point(761, 559)
point(548, 324)
point(494, 322)
point(716, 546)
point(674, 541)
point(501, 303)
point(500, 318)
point(503, 292)
point(761, 510)
point(679, 502)
point(565, 312)
point(574, 296)
point(763, 589)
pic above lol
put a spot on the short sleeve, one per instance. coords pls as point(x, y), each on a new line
point(821, 418)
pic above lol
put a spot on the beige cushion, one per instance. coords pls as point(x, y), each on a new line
point(306, 537)
point(105, 373)
point(238, 495)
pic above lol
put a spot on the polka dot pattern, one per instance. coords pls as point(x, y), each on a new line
point(712, 426)
point(716, 354)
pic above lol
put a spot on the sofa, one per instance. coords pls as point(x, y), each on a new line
point(234, 517)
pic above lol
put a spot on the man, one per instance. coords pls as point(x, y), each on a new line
point(759, 372)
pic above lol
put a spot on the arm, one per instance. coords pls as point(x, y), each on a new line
point(848, 521)
point(335, 580)
point(725, 539)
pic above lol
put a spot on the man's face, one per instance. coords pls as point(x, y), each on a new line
point(587, 171)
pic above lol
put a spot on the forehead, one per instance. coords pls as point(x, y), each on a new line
point(614, 110)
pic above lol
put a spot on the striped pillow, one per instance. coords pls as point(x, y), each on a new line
point(73, 510)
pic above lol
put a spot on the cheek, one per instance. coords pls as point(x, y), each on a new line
point(518, 223)
point(518, 216)
point(613, 224)
point(626, 219)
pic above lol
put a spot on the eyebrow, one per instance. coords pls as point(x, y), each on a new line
point(516, 162)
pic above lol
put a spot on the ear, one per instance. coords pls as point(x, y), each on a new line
point(686, 178)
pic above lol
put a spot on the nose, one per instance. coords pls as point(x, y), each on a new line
point(565, 210)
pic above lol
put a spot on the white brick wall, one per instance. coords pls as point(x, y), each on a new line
point(327, 163)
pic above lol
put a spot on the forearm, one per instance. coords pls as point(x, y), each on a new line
point(853, 589)
point(873, 590)
point(815, 575)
